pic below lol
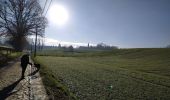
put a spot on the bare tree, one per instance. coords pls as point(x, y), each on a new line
point(20, 19)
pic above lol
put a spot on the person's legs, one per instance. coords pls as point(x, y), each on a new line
point(23, 71)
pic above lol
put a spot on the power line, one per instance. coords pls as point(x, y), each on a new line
point(35, 48)
point(48, 8)
point(44, 6)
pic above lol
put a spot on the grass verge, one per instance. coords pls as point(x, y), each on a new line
point(54, 89)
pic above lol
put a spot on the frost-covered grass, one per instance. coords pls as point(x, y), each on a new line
point(120, 74)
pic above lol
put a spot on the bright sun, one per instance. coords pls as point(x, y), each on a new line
point(58, 14)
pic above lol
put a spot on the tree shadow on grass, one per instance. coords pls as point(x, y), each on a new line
point(7, 91)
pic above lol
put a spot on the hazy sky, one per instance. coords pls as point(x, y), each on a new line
point(124, 23)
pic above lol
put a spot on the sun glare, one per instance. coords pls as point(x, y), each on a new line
point(58, 14)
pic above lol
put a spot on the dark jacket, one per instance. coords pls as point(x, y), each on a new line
point(25, 60)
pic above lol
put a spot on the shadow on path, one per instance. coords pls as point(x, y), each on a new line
point(37, 66)
point(7, 91)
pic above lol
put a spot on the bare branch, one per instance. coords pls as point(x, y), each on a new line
point(20, 18)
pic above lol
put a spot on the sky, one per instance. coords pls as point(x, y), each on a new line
point(122, 23)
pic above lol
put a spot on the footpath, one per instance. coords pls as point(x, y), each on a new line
point(13, 88)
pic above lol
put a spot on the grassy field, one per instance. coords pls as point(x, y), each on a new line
point(118, 74)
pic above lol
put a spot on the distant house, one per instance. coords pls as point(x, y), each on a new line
point(100, 46)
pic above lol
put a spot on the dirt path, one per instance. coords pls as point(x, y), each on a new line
point(12, 88)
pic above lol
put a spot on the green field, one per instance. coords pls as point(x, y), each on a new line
point(118, 74)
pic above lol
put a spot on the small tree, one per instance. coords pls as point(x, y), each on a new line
point(70, 48)
point(59, 45)
point(168, 46)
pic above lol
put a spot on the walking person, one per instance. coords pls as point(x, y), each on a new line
point(24, 63)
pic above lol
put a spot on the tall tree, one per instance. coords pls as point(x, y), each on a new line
point(20, 19)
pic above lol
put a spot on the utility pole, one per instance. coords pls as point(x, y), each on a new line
point(32, 44)
point(35, 48)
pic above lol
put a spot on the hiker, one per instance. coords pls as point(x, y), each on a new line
point(24, 63)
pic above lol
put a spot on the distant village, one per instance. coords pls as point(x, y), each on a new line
point(100, 46)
